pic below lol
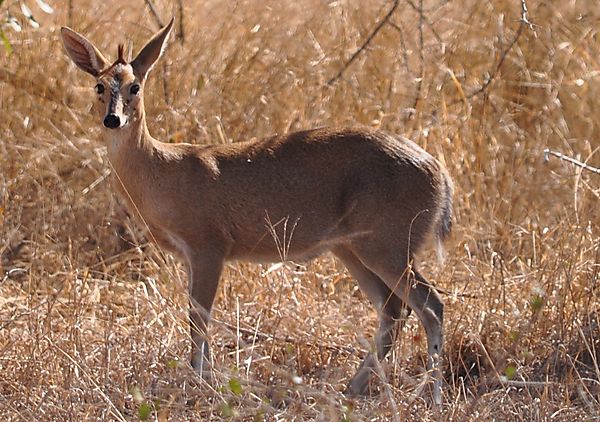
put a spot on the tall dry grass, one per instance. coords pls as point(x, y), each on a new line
point(93, 317)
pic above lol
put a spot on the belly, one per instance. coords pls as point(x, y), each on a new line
point(286, 242)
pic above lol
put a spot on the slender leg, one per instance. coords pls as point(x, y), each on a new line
point(204, 271)
point(391, 310)
point(432, 318)
point(418, 294)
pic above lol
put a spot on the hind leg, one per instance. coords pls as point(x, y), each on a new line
point(414, 290)
point(432, 318)
point(391, 309)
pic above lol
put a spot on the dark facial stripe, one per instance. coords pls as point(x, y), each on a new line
point(115, 92)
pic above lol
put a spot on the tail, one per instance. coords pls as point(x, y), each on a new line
point(445, 217)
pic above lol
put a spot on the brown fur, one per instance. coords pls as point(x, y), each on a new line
point(327, 183)
point(370, 198)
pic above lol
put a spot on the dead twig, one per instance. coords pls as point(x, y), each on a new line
point(154, 13)
point(70, 13)
point(403, 45)
point(523, 23)
point(548, 152)
point(419, 9)
point(181, 34)
point(375, 31)
point(525, 14)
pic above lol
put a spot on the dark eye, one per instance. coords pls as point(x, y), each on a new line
point(99, 89)
point(135, 88)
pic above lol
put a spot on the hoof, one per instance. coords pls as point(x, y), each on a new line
point(204, 370)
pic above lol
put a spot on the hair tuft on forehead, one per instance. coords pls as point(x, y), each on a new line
point(121, 56)
point(120, 60)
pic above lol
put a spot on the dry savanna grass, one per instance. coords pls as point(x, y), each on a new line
point(93, 317)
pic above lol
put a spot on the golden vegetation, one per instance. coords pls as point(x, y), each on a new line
point(93, 319)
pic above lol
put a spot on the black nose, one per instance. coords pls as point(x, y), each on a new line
point(112, 121)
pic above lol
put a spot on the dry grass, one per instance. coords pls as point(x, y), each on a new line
point(93, 318)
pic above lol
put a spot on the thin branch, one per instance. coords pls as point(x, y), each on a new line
point(493, 75)
point(376, 30)
point(154, 13)
point(523, 23)
point(70, 13)
point(419, 9)
point(181, 34)
point(421, 57)
point(525, 15)
point(403, 45)
point(548, 152)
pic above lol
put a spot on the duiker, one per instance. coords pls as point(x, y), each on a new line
point(370, 198)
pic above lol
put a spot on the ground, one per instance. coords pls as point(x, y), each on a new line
point(93, 317)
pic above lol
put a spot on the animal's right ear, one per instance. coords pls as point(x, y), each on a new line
point(82, 52)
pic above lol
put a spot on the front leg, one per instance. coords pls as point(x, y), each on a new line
point(204, 271)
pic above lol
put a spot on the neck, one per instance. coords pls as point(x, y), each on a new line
point(130, 149)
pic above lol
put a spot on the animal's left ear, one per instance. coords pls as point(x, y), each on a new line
point(151, 52)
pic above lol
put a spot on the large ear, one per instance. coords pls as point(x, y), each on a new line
point(151, 51)
point(82, 52)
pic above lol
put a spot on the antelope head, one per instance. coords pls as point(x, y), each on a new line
point(120, 85)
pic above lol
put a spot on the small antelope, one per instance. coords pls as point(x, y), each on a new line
point(370, 198)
